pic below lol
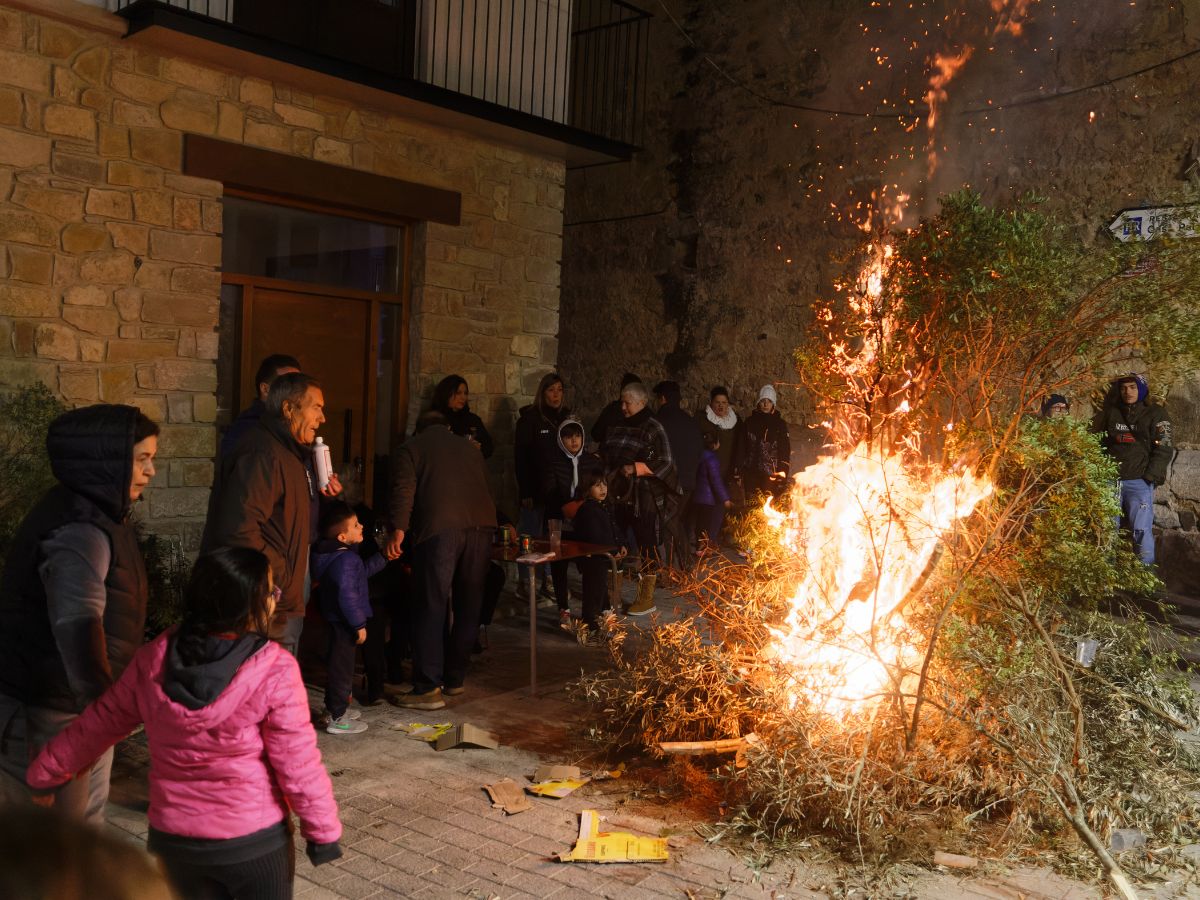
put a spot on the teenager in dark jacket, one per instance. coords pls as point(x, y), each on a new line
point(1137, 434)
point(264, 493)
point(535, 441)
point(560, 481)
point(451, 398)
point(340, 575)
point(73, 595)
point(763, 455)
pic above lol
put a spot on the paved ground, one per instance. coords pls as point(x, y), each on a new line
point(418, 823)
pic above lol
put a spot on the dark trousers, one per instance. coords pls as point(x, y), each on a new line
point(709, 519)
point(339, 672)
point(267, 877)
point(374, 651)
point(493, 586)
point(594, 570)
point(558, 575)
point(451, 568)
point(678, 534)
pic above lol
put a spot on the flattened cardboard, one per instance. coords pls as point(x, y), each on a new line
point(507, 795)
point(466, 735)
point(599, 846)
point(556, 773)
point(559, 788)
point(419, 731)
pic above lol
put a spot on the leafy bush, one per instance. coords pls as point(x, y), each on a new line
point(25, 417)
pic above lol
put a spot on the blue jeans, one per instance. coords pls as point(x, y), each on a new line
point(1137, 511)
point(450, 568)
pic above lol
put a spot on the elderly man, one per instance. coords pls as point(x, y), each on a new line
point(264, 492)
point(440, 493)
point(637, 454)
point(268, 370)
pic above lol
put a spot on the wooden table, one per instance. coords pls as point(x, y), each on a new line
point(563, 552)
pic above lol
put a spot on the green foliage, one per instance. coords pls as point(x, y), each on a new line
point(167, 571)
point(25, 417)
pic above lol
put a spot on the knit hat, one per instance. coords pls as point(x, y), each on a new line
point(768, 393)
point(1053, 400)
point(1143, 386)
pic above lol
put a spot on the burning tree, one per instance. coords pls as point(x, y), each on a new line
point(913, 642)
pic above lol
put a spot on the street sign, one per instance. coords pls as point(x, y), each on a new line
point(1155, 222)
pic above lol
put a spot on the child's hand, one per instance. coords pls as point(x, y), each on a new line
point(362, 635)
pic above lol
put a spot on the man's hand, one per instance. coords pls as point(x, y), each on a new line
point(333, 488)
point(392, 549)
point(362, 635)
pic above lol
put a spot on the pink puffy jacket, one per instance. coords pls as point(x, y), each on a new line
point(226, 770)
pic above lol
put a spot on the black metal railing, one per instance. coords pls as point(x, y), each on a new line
point(575, 63)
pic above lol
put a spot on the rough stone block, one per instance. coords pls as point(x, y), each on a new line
point(198, 249)
point(79, 385)
point(256, 93)
point(114, 267)
point(178, 502)
point(230, 123)
point(204, 407)
point(70, 121)
point(152, 405)
point(193, 279)
point(114, 141)
point(272, 137)
point(12, 31)
point(24, 372)
point(187, 213)
point(525, 345)
point(185, 346)
point(21, 301)
point(54, 341)
point(26, 264)
point(187, 184)
point(79, 238)
point(117, 384)
point(141, 88)
point(87, 295)
point(80, 168)
point(159, 333)
point(129, 303)
point(154, 276)
point(139, 351)
point(339, 153)
point(28, 228)
point(196, 77)
point(135, 115)
point(1184, 477)
point(300, 117)
point(92, 65)
point(197, 473)
point(134, 238)
point(58, 41)
point(542, 271)
point(536, 218)
point(189, 111)
point(157, 147)
point(196, 310)
point(103, 322)
point(540, 321)
point(109, 204)
point(24, 151)
point(179, 408)
point(448, 275)
point(10, 106)
point(186, 375)
point(207, 345)
point(25, 71)
point(91, 351)
point(61, 204)
point(212, 216)
point(450, 330)
point(153, 207)
point(130, 174)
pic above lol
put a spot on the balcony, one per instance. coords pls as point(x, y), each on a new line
point(570, 72)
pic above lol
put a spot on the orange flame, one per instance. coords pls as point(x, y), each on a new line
point(1010, 16)
point(865, 525)
point(946, 67)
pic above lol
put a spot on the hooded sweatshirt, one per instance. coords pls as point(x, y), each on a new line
point(73, 595)
point(561, 472)
point(1137, 435)
point(232, 747)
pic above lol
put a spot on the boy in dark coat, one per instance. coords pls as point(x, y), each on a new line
point(560, 480)
point(340, 575)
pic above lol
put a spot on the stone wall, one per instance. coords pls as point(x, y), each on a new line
point(698, 260)
point(110, 257)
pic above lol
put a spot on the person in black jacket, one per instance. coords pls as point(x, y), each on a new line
point(451, 397)
point(535, 441)
point(763, 455)
point(611, 414)
point(268, 370)
point(686, 446)
point(1137, 434)
point(560, 480)
point(73, 595)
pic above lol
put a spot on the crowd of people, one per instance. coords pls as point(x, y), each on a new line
point(233, 751)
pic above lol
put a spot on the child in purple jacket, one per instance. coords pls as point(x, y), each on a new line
point(711, 497)
point(340, 580)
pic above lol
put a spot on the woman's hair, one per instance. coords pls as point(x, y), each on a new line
point(712, 440)
point(550, 378)
point(718, 391)
point(570, 428)
point(143, 427)
point(226, 593)
point(637, 390)
point(587, 480)
point(444, 390)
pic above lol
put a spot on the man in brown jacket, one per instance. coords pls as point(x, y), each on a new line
point(440, 493)
point(264, 492)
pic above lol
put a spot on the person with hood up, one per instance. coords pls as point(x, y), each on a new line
point(74, 590)
point(1137, 434)
point(762, 459)
point(560, 480)
point(451, 397)
point(535, 441)
point(232, 750)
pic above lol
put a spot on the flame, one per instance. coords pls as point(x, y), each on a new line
point(1010, 16)
point(945, 68)
point(865, 526)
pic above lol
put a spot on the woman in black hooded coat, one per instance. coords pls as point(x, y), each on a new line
point(451, 398)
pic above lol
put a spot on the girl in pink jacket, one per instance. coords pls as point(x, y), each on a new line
point(232, 748)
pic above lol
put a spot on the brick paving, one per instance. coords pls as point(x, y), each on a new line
point(418, 824)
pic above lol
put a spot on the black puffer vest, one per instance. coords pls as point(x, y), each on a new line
point(91, 452)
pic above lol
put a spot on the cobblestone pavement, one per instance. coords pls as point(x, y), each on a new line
point(418, 824)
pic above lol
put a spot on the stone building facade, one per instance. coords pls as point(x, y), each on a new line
point(110, 256)
point(768, 124)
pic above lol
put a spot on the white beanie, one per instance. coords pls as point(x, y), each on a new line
point(768, 393)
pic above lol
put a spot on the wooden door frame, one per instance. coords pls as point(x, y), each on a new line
point(247, 366)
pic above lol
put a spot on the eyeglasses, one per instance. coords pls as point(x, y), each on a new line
point(276, 593)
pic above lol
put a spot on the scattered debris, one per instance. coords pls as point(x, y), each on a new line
point(1126, 839)
point(419, 731)
point(737, 745)
point(466, 736)
point(556, 773)
point(605, 775)
point(594, 845)
point(954, 860)
point(566, 780)
point(507, 795)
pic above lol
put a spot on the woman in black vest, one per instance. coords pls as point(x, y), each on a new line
point(73, 594)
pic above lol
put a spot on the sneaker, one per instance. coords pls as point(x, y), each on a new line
point(454, 691)
point(642, 607)
point(428, 700)
point(352, 714)
point(564, 620)
point(345, 725)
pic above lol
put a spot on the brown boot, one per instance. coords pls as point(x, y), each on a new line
point(644, 603)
